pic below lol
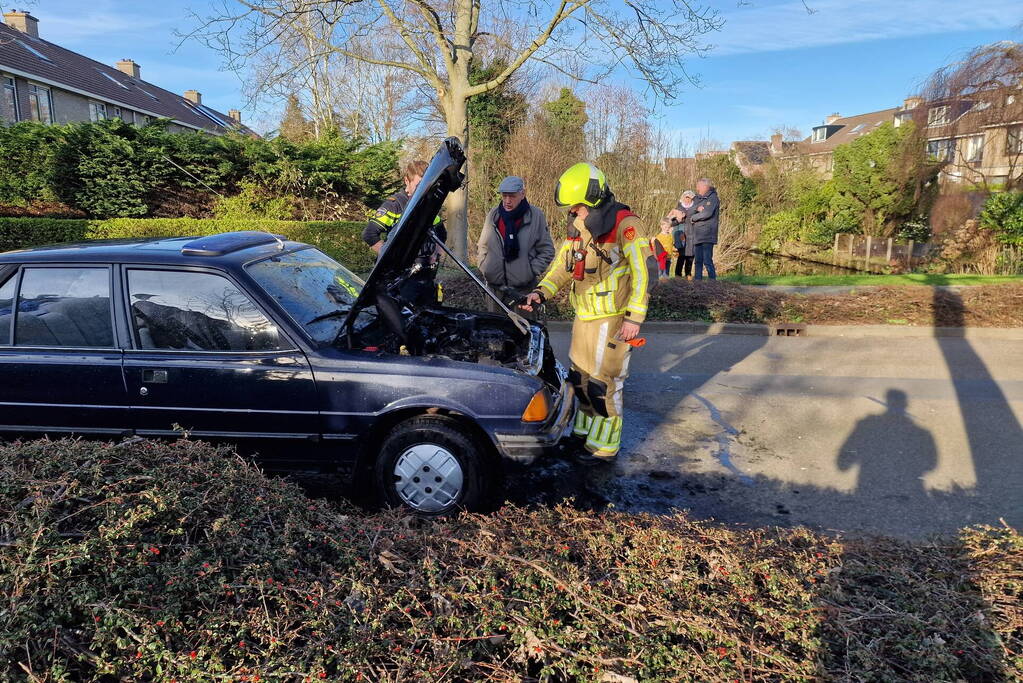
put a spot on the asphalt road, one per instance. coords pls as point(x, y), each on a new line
point(905, 437)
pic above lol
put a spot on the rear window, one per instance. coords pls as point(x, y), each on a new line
point(64, 307)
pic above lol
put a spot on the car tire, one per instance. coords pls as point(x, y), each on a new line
point(432, 466)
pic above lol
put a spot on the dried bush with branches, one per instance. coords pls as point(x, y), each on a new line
point(146, 561)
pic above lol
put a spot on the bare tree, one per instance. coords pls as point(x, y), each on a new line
point(971, 113)
point(581, 38)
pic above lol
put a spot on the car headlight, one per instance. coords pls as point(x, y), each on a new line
point(539, 407)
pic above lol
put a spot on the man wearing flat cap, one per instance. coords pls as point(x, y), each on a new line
point(515, 247)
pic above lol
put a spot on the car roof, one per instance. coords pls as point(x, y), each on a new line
point(224, 249)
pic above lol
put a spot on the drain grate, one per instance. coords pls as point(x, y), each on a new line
point(790, 330)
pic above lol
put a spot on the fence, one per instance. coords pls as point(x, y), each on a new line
point(878, 254)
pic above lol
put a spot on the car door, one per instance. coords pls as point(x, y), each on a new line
point(206, 359)
point(60, 365)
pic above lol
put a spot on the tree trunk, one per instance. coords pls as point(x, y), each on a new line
point(456, 114)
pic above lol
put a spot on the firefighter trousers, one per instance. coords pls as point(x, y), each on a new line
point(600, 364)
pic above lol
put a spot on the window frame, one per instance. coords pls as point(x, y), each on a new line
point(97, 111)
point(9, 275)
point(286, 343)
point(11, 85)
point(946, 148)
point(932, 120)
point(1014, 139)
point(967, 141)
point(33, 98)
point(115, 345)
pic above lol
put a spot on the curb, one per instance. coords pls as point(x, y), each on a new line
point(822, 331)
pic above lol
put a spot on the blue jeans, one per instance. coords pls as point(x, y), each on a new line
point(704, 254)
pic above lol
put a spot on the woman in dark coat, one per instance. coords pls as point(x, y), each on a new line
point(682, 235)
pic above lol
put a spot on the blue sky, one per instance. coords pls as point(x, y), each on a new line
point(772, 64)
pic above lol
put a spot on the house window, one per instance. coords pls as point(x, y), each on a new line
point(820, 134)
point(1014, 141)
point(903, 117)
point(40, 104)
point(97, 111)
point(937, 116)
point(972, 148)
point(118, 114)
point(940, 150)
point(11, 98)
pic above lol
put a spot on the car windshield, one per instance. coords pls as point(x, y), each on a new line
point(313, 288)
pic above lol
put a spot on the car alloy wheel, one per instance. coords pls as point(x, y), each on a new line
point(428, 478)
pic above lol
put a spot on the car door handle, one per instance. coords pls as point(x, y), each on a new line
point(154, 376)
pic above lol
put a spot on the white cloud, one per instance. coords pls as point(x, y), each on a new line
point(769, 27)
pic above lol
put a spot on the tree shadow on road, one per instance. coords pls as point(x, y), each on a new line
point(992, 429)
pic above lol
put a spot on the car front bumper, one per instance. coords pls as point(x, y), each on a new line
point(525, 448)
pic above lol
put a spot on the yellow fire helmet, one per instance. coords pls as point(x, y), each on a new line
point(581, 184)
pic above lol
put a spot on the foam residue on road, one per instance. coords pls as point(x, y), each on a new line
point(724, 440)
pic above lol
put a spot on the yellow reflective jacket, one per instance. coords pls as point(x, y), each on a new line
point(616, 272)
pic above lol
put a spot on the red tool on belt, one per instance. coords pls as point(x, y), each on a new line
point(637, 342)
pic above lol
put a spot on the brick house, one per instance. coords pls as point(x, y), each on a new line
point(42, 81)
point(979, 137)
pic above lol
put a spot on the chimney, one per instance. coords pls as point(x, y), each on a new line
point(831, 119)
point(127, 66)
point(22, 21)
point(193, 96)
point(912, 102)
point(776, 146)
point(235, 115)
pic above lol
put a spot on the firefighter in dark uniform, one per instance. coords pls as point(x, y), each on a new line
point(421, 288)
point(605, 262)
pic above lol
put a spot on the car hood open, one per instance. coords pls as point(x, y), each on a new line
point(397, 260)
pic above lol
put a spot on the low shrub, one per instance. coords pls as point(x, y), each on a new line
point(20, 233)
point(1003, 215)
point(144, 561)
point(340, 240)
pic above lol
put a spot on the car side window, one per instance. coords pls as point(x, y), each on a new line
point(7, 309)
point(64, 307)
point(189, 311)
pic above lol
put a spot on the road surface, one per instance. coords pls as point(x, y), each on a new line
point(906, 437)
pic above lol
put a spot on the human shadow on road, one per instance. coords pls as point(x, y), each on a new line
point(892, 452)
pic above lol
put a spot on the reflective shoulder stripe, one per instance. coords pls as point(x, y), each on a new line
point(640, 278)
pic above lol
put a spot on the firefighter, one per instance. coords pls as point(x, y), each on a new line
point(420, 288)
point(606, 262)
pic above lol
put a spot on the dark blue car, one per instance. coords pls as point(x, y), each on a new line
point(248, 338)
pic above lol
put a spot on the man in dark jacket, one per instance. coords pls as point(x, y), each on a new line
point(515, 247)
point(705, 227)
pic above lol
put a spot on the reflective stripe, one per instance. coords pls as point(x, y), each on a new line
point(388, 219)
point(640, 278)
point(601, 345)
point(558, 262)
point(582, 423)
point(605, 435)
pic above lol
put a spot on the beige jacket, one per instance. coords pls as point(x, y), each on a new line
point(620, 287)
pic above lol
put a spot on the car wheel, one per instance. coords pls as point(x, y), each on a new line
point(432, 466)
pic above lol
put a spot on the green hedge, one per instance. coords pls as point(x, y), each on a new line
point(340, 240)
